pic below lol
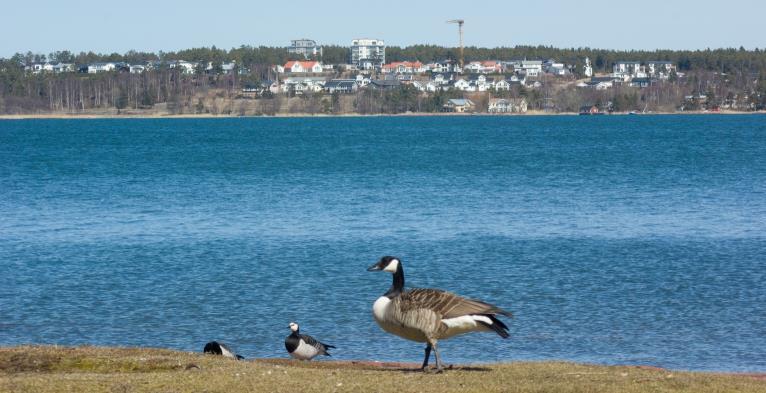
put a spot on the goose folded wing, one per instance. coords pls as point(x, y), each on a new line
point(447, 304)
point(313, 342)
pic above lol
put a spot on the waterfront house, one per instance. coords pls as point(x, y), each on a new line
point(459, 105)
point(507, 105)
point(252, 90)
point(270, 86)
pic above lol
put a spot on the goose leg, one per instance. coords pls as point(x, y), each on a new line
point(438, 357)
point(428, 355)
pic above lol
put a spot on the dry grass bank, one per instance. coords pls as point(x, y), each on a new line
point(91, 369)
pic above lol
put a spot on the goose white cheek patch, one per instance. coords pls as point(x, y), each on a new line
point(392, 266)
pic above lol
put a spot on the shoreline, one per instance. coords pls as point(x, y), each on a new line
point(108, 369)
point(368, 363)
point(85, 116)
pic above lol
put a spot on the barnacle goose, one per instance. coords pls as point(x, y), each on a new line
point(429, 315)
point(216, 348)
point(303, 346)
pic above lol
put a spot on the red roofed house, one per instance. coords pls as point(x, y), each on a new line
point(303, 66)
point(404, 67)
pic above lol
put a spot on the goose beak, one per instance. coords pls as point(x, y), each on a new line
point(374, 268)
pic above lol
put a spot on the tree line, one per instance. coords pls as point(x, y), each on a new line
point(726, 60)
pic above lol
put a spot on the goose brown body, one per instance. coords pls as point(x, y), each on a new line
point(428, 315)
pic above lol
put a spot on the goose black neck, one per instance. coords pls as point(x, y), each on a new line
point(398, 284)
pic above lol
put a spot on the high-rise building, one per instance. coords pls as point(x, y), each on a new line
point(305, 47)
point(368, 53)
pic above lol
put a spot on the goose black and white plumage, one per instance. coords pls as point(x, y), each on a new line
point(216, 348)
point(303, 346)
point(429, 315)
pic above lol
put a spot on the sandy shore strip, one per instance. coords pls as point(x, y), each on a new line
point(136, 115)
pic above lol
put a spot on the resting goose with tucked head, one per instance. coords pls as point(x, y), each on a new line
point(303, 346)
point(216, 348)
point(428, 315)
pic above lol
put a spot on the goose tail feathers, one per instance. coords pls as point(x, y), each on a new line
point(497, 326)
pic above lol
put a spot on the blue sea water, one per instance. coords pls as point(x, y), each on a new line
point(614, 240)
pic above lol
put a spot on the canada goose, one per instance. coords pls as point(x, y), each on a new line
point(428, 315)
point(216, 348)
point(303, 346)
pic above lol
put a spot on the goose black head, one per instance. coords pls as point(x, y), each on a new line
point(387, 264)
point(294, 327)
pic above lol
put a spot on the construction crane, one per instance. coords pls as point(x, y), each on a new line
point(460, 30)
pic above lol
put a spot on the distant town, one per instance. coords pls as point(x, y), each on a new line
point(307, 78)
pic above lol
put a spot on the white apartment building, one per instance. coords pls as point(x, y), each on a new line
point(368, 53)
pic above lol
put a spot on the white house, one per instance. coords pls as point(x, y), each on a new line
point(502, 85)
point(598, 83)
point(94, 68)
point(341, 86)
point(441, 79)
point(507, 105)
point(555, 68)
point(137, 69)
point(531, 68)
point(362, 80)
point(58, 68)
point(404, 67)
point(187, 67)
point(626, 70)
point(432, 86)
point(660, 69)
point(302, 84)
point(459, 105)
point(297, 67)
point(462, 84)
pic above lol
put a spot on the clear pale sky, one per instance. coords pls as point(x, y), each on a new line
point(43, 26)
